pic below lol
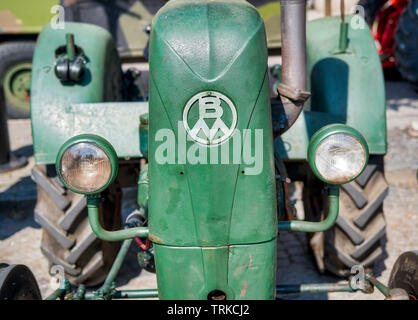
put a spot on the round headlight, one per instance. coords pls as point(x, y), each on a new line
point(86, 164)
point(338, 154)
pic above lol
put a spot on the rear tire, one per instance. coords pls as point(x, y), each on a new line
point(67, 238)
point(406, 43)
point(13, 54)
point(356, 237)
point(404, 274)
point(18, 283)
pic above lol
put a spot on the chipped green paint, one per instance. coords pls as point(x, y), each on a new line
point(55, 106)
point(219, 240)
point(347, 101)
point(347, 85)
point(243, 272)
point(347, 88)
point(230, 216)
point(102, 119)
point(203, 217)
point(107, 235)
point(320, 226)
point(142, 195)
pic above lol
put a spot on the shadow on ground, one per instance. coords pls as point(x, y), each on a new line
point(130, 268)
point(15, 216)
point(400, 94)
point(296, 265)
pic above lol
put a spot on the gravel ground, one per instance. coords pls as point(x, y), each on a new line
point(20, 236)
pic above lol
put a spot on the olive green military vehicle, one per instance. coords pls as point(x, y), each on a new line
point(126, 20)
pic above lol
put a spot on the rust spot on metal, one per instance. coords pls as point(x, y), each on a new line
point(154, 238)
point(244, 289)
point(249, 266)
point(237, 270)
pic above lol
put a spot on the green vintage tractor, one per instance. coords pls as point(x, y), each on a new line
point(211, 152)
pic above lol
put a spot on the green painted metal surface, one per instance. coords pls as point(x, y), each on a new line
point(244, 211)
point(143, 194)
point(93, 212)
point(109, 282)
point(103, 119)
point(55, 115)
point(350, 85)
point(135, 294)
point(339, 96)
point(346, 88)
point(61, 291)
point(343, 286)
point(202, 216)
point(309, 226)
point(241, 271)
point(294, 143)
point(143, 134)
point(215, 223)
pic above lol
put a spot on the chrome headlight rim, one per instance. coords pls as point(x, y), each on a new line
point(98, 142)
point(326, 132)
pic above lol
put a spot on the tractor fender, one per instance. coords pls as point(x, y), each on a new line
point(52, 99)
point(346, 87)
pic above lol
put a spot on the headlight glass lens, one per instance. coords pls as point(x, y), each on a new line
point(340, 157)
point(85, 167)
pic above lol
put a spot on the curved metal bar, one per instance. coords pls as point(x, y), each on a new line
point(307, 226)
point(56, 294)
point(93, 212)
point(117, 264)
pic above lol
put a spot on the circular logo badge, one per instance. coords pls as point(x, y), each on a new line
point(210, 118)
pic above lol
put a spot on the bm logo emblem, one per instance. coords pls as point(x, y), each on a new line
point(210, 118)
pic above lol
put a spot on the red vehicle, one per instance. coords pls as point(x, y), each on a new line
point(394, 25)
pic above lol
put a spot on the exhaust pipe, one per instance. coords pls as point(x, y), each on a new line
point(292, 89)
